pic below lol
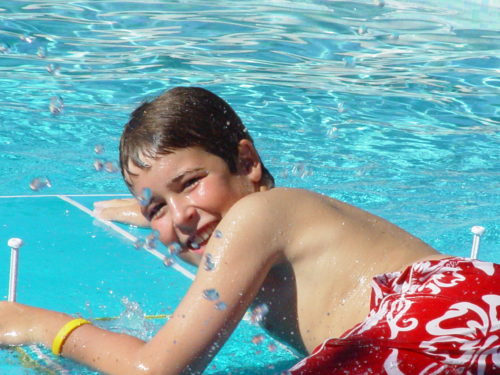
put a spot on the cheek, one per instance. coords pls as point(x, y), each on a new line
point(164, 227)
point(214, 195)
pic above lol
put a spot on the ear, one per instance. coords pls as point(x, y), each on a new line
point(249, 161)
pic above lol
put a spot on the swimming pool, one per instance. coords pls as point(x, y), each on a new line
point(393, 106)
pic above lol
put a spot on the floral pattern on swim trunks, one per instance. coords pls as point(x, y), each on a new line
point(436, 317)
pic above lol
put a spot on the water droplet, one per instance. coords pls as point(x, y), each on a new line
point(220, 305)
point(56, 105)
point(340, 107)
point(168, 262)
point(211, 294)
point(209, 263)
point(332, 131)
point(349, 62)
point(98, 164)
point(4, 48)
point(257, 339)
point(41, 52)
point(258, 313)
point(301, 170)
point(151, 239)
point(27, 38)
point(174, 248)
point(139, 243)
point(110, 167)
point(145, 197)
point(39, 183)
point(98, 149)
point(362, 30)
point(218, 234)
point(272, 347)
point(54, 69)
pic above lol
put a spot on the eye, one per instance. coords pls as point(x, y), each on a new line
point(155, 211)
point(190, 182)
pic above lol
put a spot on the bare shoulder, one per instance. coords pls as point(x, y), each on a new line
point(279, 216)
point(283, 205)
point(285, 198)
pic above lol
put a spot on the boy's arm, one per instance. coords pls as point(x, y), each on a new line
point(241, 258)
point(125, 210)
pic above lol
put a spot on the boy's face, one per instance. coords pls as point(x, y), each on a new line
point(191, 190)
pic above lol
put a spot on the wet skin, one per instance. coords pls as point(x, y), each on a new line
point(317, 235)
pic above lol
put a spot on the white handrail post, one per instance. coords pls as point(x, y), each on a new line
point(14, 244)
point(477, 231)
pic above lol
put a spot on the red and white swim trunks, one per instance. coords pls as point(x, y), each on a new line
point(436, 317)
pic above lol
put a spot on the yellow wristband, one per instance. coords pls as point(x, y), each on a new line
point(64, 332)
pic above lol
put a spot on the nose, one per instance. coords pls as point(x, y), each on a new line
point(183, 214)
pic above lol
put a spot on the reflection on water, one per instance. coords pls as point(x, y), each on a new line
point(391, 105)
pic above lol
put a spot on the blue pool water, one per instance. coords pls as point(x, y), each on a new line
point(393, 106)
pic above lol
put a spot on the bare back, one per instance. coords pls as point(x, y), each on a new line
point(331, 252)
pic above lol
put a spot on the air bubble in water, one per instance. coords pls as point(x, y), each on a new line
point(221, 305)
point(209, 263)
point(56, 105)
point(211, 294)
point(145, 197)
point(39, 183)
point(258, 313)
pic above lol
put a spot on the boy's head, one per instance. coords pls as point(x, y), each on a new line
point(180, 118)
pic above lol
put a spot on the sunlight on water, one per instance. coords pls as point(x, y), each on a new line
point(393, 106)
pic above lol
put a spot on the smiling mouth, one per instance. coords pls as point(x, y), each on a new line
point(200, 239)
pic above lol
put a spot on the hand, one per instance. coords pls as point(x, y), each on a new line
point(125, 210)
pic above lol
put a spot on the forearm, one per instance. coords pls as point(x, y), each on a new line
point(126, 211)
point(109, 352)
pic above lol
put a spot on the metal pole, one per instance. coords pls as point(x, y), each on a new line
point(14, 244)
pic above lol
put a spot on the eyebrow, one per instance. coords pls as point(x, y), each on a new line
point(181, 175)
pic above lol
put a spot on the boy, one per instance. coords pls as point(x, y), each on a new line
point(308, 257)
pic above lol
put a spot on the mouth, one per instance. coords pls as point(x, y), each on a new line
point(197, 242)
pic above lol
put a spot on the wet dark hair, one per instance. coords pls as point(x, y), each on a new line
point(180, 118)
